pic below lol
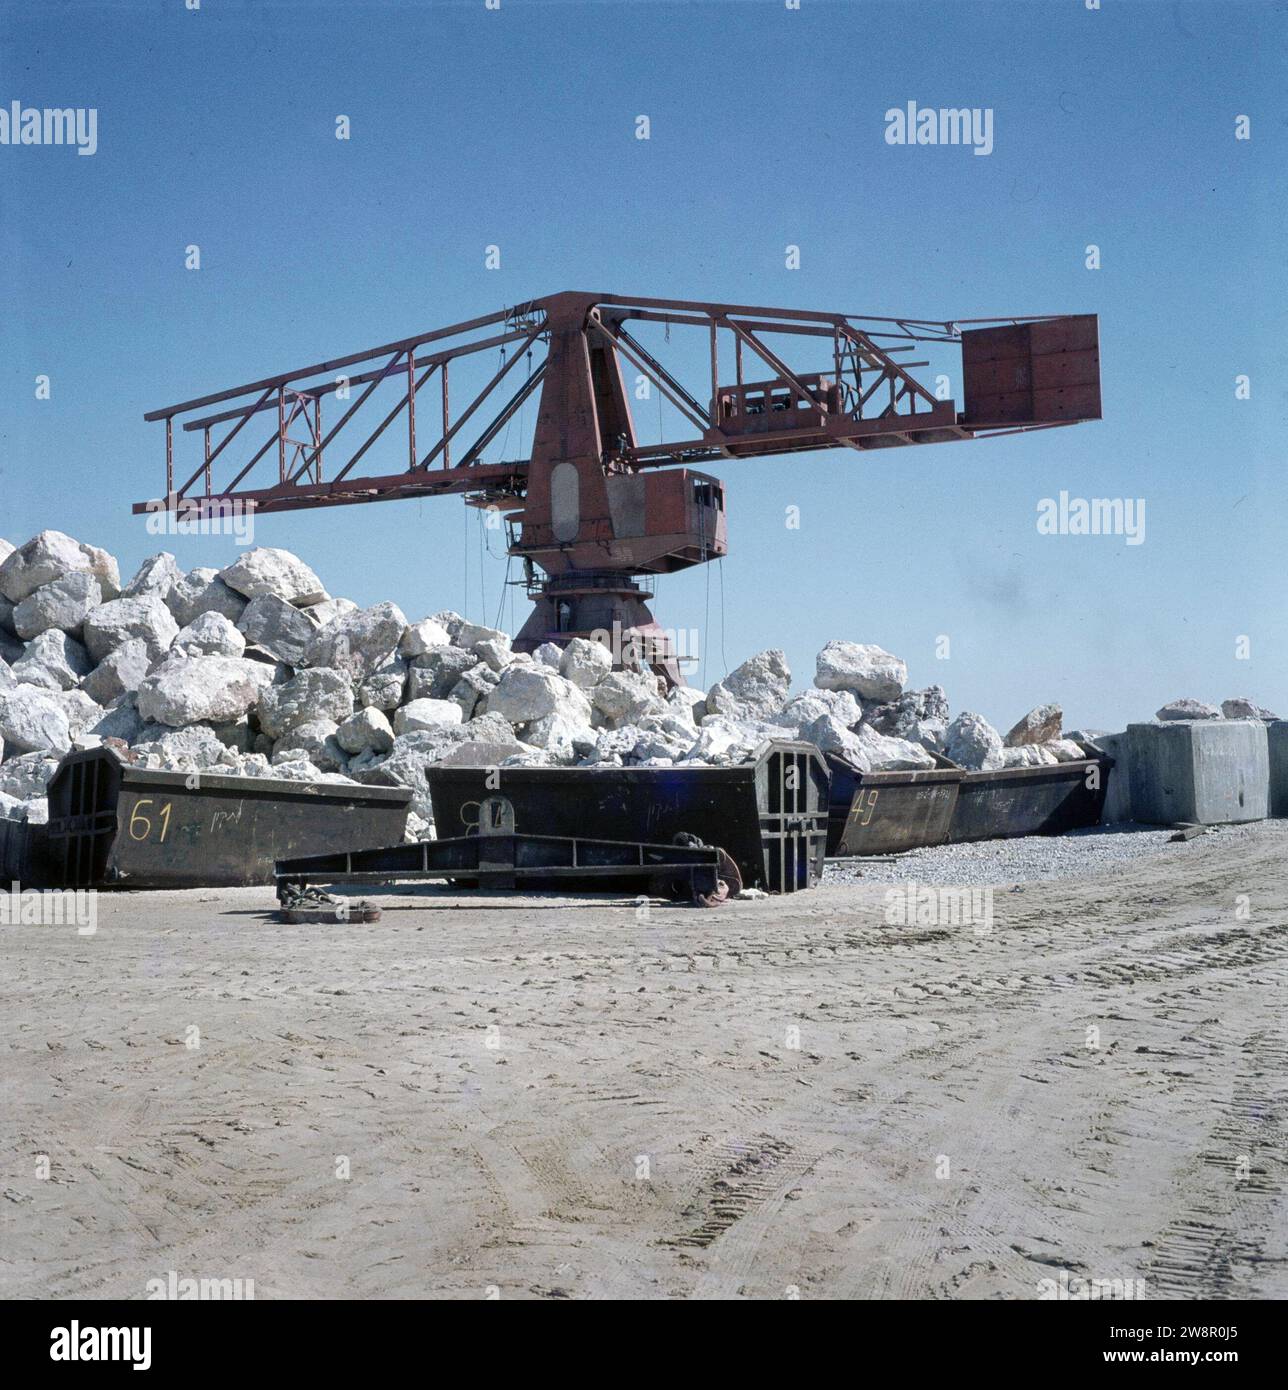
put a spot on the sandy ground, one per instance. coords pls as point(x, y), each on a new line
point(559, 1100)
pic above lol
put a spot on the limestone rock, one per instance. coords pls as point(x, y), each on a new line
point(145, 617)
point(386, 686)
point(158, 574)
point(366, 729)
point(528, 693)
point(972, 742)
point(1188, 709)
point(548, 654)
point(422, 637)
point(266, 570)
point(80, 709)
point(202, 591)
point(436, 670)
point(756, 689)
point(918, 716)
point(320, 693)
point(1039, 725)
point(867, 671)
point(1240, 708)
point(27, 775)
point(625, 697)
point(315, 741)
point(803, 709)
point(564, 739)
point(427, 714)
point(31, 721)
point(496, 655)
point(53, 660)
point(450, 621)
point(360, 641)
point(210, 635)
point(120, 670)
point(584, 663)
point(471, 634)
point(278, 627)
point(1027, 755)
point(1063, 749)
point(473, 688)
point(213, 689)
point(325, 613)
point(63, 604)
point(50, 556)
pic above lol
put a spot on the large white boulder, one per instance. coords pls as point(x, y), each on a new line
point(472, 689)
point(120, 670)
point(366, 729)
point(972, 742)
point(919, 716)
point(386, 686)
point(625, 697)
point(63, 604)
point(32, 721)
point(360, 641)
point(1188, 709)
point(202, 591)
point(50, 556)
point(755, 690)
point(585, 663)
point(314, 741)
point(210, 635)
point(528, 693)
point(867, 671)
point(266, 570)
point(422, 637)
point(471, 634)
point(278, 627)
point(436, 670)
point(53, 660)
point(320, 693)
point(1242, 708)
point(207, 689)
point(158, 574)
point(1039, 725)
point(145, 617)
point(803, 709)
point(427, 714)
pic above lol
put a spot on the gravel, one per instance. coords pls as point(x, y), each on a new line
point(1026, 860)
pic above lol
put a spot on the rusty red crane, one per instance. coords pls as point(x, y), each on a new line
point(593, 509)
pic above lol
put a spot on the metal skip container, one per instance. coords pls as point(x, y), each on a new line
point(768, 813)
point(113, 825)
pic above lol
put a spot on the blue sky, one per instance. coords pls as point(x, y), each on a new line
point(517, 128)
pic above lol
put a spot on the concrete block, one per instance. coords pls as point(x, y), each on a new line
point(1117, 806)
point(1210, 772)
point(1277, 733)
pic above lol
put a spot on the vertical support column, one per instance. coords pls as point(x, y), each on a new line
point(447, 443)
point(411, 408)
point(281, 434)
point(714, 416)
point(169, 457)
point(207, 432)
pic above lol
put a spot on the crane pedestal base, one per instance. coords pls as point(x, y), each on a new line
point(607, 608)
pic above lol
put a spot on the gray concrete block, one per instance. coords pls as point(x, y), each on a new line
point(1208, 771)
point(1277, 733)
point(1117, 806)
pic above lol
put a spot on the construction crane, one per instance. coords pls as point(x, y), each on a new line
point(593, 513)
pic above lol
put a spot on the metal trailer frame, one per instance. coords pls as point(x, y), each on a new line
point(499, 858)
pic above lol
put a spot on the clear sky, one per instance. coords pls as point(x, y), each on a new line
point(516, 127)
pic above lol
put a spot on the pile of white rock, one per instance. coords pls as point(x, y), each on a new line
point(254, 670)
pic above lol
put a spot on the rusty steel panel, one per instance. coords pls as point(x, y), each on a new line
point(1045, 372)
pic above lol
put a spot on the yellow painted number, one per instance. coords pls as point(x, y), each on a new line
point(141, 825)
